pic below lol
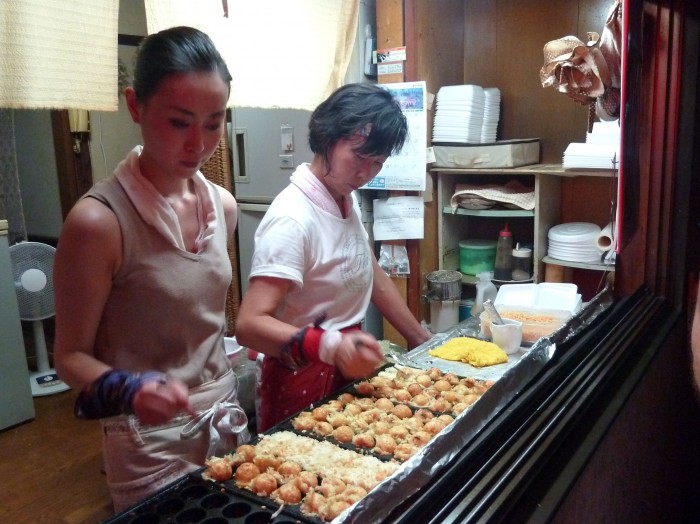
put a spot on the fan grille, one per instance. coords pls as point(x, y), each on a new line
point(33, 305)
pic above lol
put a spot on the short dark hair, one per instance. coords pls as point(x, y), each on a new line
point(175, 50)
point(367, 109)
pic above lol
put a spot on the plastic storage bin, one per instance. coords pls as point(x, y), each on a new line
point(476, 256)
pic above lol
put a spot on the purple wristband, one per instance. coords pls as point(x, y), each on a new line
point(113, 393)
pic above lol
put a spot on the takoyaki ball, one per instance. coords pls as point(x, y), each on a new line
point(289, 468)
point(402, 395)
point(370, 416)
point(413, 424)
point(243, 453)
point(452, 397)
point(423, 414)
point(337, 419)
point(404, 451)
point(306, 481)
point(381, 427)
point(352, 409)
point(459, 408)
point(383, 392)
point(380, 381)
point(384, 404)
point(399, 432)
point(365, 403)
point(447, 419)
point(420, 438)
point(363, 440)
point(335, 405)
point(218, 469)
point(385, 444)
point(359, 425)
point(434, 373)
point(265, 462)
point(303, 422)
point(343, 434)
point(480, 389)
point(353, 493)
point(460, 389)
point(424, 380)
point(323, 429)
point(402, 411)
point(314, 503)
point(288, 493)
point(365, 388)
point(434, 426)
point(335, 507)
point(346, 397)
point(470, 399)
point(452, 378)
point(264, 484)
point(245, 473)
point(421, 400)
point(440, 405)
point(331, 486)
point(431, 392)
point(414, 389)
point(442, 385)
point(320, 413)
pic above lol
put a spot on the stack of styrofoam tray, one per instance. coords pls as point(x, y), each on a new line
point(574, 242)
point(544, 296)
point(459, 114)
point(492, 114)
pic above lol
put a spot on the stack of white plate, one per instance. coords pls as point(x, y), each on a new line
point(574, 242)
point(492, 113)
point(459, 114)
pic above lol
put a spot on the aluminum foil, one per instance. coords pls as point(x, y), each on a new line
point(509, 379)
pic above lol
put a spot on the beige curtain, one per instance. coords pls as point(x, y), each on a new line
point(58, 54)
point(281, 53)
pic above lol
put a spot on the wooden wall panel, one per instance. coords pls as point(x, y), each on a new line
point(503, 45)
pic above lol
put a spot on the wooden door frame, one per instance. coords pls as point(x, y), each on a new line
point(73, 164)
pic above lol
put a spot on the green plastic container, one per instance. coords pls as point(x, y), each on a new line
point(476, 256)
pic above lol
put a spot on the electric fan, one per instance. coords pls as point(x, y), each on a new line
point(32, 269)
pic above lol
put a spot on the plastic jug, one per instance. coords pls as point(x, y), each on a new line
point(485, 290)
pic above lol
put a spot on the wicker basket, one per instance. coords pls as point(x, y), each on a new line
point(218, 170)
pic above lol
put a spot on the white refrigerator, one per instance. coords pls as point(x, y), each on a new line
point(266, 146)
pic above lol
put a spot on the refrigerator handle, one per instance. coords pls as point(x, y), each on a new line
point(247, 206)
point(239, 150)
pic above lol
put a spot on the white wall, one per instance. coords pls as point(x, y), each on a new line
point(114, 134)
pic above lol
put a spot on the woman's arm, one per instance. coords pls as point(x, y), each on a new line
point(87, 258)
point(256, 325)
point(393, 307)
point(356, 354)
point(695, 339)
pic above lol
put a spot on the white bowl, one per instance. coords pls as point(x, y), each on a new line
point(507, 336)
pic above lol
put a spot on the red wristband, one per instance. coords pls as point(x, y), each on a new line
point(311, 343)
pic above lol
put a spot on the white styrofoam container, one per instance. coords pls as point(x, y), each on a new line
point(547, 295)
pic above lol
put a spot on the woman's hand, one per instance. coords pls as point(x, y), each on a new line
point(157, 402)
point(357, 355)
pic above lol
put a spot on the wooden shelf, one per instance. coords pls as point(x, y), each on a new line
point(489, 212)
point(594, 266)
point(532, 169)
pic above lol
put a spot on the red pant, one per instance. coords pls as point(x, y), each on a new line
point(284, 392)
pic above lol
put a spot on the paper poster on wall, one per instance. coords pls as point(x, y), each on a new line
point(398, 218)
point(406, 171)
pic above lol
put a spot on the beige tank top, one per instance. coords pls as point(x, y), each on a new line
point(166, 310)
